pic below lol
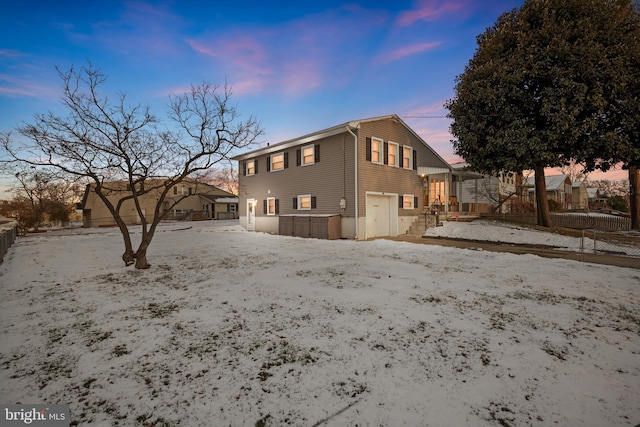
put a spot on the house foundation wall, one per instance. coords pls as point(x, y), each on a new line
point(268, 224)
point(348, 228)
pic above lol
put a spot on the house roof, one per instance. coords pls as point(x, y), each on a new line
point(592, 192)
point(219, 199)
point(335, 130)
point(208, 188)
point(553, 182)
point(226, 200)
point(465, 171)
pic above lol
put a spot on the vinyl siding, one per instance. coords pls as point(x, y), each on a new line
point(387, 179)
point(326, 180)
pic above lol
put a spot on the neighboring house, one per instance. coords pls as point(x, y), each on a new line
point(475, 192)
point(579, 195)
point(360, 179)
point(597, 200)
point(559, 188)
point(199, 201)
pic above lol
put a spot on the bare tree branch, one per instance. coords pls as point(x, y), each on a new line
point(105, 142)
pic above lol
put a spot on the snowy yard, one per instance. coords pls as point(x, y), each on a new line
point(493, 231)
point(243, 329)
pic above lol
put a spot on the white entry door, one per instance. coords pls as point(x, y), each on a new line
point(251, 214)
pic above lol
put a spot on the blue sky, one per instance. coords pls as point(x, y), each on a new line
point(299, 66)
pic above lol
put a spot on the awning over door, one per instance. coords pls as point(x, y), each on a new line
point(425, 170)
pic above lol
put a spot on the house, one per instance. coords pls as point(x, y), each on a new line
point(357, 180)
point(189, 200)
point(559, 189)
point(597, 199)
point(475, 192)
point(579, 195)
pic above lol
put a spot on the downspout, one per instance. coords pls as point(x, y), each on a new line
point(355, 140)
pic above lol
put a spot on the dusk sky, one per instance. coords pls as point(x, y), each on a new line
point(298, 66)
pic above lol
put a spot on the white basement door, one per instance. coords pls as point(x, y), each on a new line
point(379, 217)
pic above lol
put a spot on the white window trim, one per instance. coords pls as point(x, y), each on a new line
point(313, 155)
point(300, 208)
point(273, 169)
point(380, 151)
point(411, 196)
point(269, 213)
point(397, 162)
point(252, 162)
point(405, 165)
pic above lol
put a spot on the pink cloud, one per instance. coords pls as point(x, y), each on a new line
point(142, 27)
point(405, 51)
point(435, 109)
point(439, 140)
point(244, 53)
point(13, 86)
point(301, 76)
point(248, 85)
point(293, 58)
point(428, 10)
point(243, 57)
point(254, 67)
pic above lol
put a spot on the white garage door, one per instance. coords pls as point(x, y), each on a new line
point(380, 218)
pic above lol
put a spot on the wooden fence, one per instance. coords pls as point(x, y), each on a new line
point(7, 238)
point(577, 221)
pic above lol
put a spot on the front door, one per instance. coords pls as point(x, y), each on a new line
point(251, 215)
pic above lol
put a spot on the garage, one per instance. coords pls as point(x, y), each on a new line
point(382, 215)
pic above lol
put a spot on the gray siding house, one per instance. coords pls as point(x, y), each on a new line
point(375, 175)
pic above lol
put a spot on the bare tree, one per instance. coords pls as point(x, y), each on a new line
point(225, 179)
point(39, 194)
point(105, 141)
point(575, 171)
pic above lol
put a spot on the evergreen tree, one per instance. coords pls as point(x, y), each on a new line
point(544, 88)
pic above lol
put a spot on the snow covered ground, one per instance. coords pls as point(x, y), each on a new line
point(243, 329)
point(492, 231)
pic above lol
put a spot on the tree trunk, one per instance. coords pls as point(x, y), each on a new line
point(542, 205)
point(634, 196)
point(141, 255)
point(128, 256)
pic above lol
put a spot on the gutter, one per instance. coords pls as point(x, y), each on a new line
point(355, 140)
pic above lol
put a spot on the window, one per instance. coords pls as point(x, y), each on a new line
point(305, 202)
point(392, 154)
point(232, 207)
point(277, 162)
point(407, 157)
point(408, 201)
point(308, 155)
point(271, 205)
point(251, 167)
point(376, 150)
point(183, 191)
